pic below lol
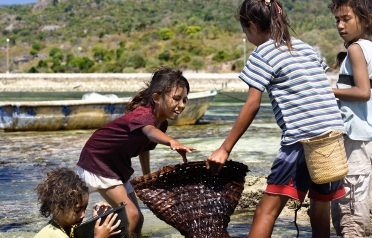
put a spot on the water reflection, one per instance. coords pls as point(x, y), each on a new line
point(24, 156)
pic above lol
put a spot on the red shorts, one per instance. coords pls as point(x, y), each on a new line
point(290, 177)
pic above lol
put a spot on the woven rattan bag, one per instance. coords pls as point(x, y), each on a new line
point(326, 157)
point(189, 198)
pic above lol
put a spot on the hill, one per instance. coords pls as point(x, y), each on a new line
point(138, 35)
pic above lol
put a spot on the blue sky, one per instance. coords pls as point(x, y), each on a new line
point(11, 2)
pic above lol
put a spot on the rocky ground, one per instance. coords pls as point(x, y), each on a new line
point(253, 190)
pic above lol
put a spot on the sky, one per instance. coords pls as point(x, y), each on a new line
point(11, 2)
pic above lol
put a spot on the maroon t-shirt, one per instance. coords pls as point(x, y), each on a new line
point(109, 150)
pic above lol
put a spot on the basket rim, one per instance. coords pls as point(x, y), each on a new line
point(332, 134)
point(168, 168)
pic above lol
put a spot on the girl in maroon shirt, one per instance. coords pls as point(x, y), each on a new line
point(105, 161)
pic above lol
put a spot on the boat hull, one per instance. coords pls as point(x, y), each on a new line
point(81, 114)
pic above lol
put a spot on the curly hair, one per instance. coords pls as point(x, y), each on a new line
point(162, 82)
point(62, 189)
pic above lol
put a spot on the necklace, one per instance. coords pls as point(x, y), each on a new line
point(63, 230)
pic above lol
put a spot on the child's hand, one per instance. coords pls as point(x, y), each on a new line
point(99, 208)
point(107, 228)
point(181, 149)
point(216, 161)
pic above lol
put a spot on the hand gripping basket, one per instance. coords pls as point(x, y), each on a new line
point(326, 157)
point(189, 198)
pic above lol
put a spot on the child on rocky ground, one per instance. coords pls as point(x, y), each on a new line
point(351, 214)
point(64, 197)
point(304, 107)
point(105, 161)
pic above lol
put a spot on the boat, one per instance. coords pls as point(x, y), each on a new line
point(85, 114)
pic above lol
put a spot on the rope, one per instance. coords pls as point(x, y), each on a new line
point(298, 207)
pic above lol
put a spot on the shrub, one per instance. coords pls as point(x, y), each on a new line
point(221, 56)
point(166, 34)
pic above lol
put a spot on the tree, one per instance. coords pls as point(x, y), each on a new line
point(99, 53)
point(82, 63)
point(56, 53)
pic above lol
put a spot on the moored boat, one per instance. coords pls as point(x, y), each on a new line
point(85, 114)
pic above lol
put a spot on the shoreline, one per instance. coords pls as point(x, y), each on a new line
point(109, 82)
point(116, 82)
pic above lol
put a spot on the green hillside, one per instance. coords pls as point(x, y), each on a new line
point(138, 35)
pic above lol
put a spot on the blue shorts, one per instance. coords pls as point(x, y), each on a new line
point(289, 177)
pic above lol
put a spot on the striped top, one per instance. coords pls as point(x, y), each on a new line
point(301, 95)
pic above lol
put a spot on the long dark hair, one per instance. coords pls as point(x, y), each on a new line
point(267, 18)
point(162, 82)
point(361, 8)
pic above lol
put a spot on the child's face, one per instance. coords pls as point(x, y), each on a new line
point(348, 24)
point(172, 104)
point(75, 215)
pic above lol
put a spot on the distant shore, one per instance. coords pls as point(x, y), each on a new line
point(108, 82)
point(115, 82)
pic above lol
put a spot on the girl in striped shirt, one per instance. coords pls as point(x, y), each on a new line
point(304, 107)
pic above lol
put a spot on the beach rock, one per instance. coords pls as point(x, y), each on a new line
point(254, 188)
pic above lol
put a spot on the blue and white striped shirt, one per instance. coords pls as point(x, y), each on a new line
point(301, 95)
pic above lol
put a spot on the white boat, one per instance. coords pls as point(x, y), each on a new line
point(85, 114)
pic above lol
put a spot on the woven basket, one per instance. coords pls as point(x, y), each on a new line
point(326, 157)
point(189, 198)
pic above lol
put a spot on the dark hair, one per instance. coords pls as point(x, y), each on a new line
point(62, 188)
point(361, 8)
point(267, 18)
point(339, 58)
point(162, 82)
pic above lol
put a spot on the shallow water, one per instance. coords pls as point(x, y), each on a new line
point(24, 157)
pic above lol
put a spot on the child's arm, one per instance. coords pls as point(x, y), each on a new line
point(362, 89)
point(107, 228)
point(248, 112)
point(157, 136)
point(144, 158)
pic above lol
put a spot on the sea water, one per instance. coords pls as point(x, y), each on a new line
point(26, 156)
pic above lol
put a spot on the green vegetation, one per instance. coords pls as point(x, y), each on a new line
point(138, 35)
